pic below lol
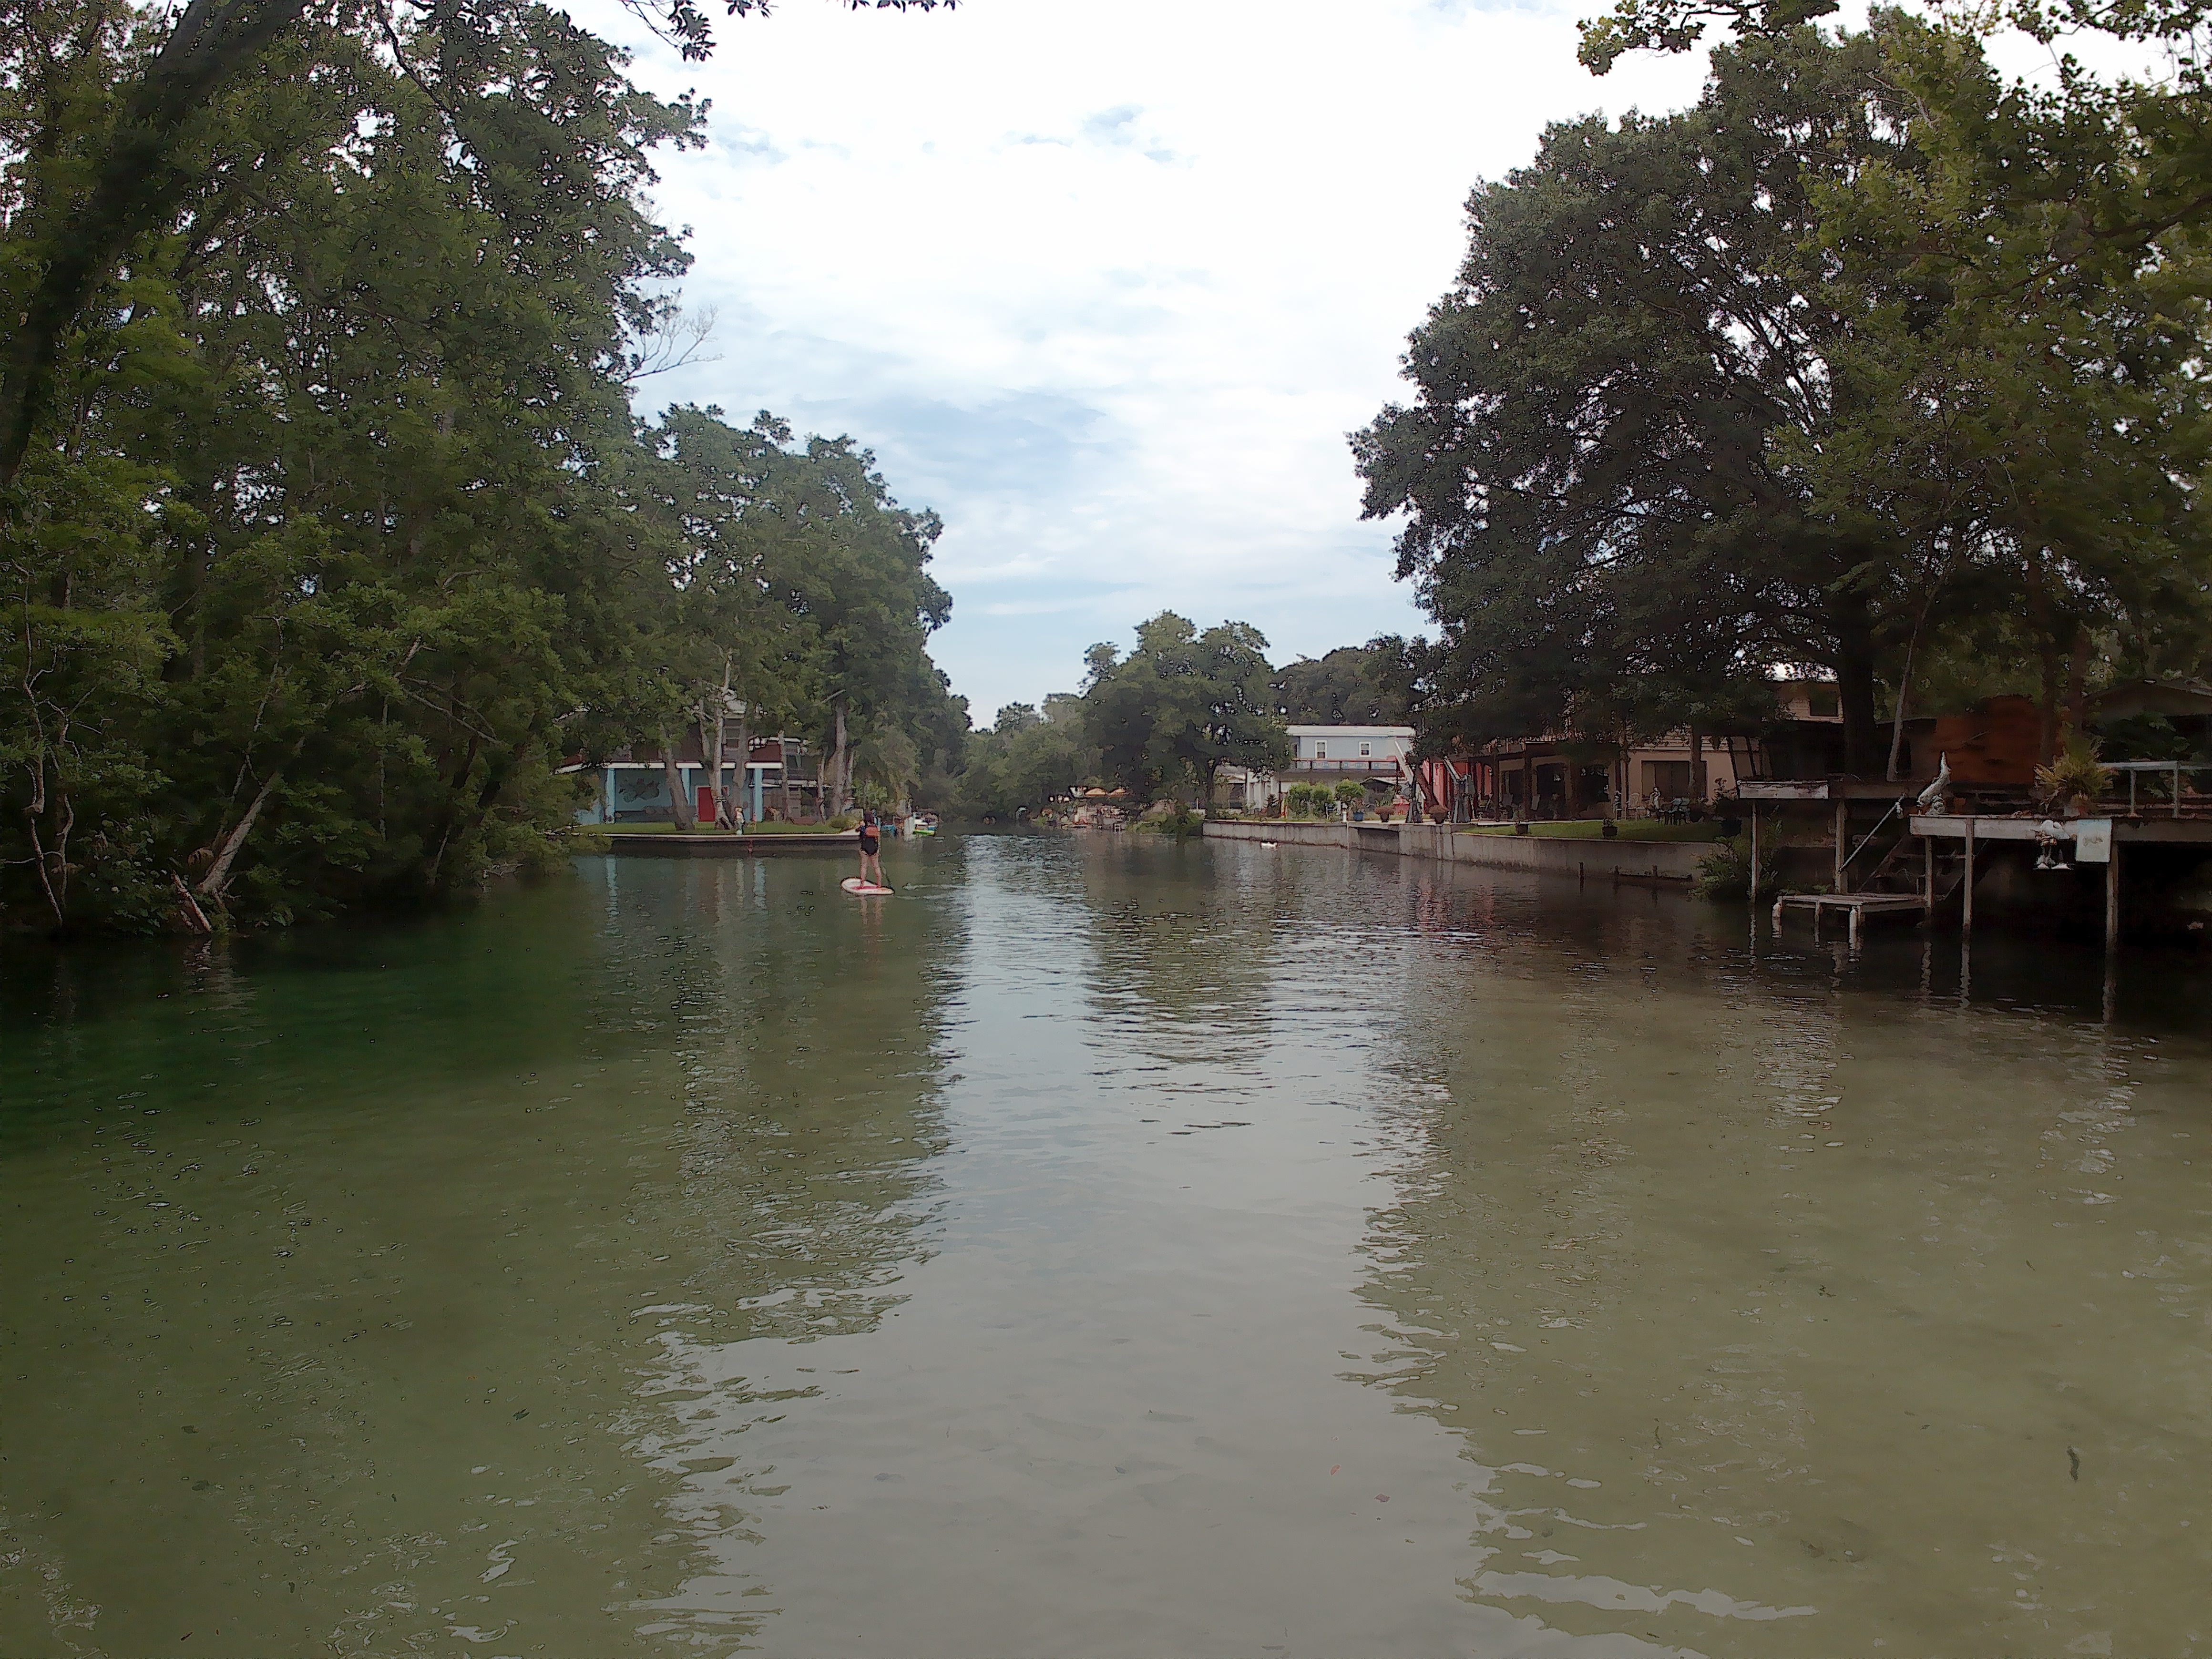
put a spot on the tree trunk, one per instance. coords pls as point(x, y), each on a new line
point(1904, 692)
point(2078, 685)
point(837, 778)
point(2039, 614)
point(1855, 686)
point(2046, 744)
point(188, 908)
point(712, 714)
point(1696, 764)
point(219, 872)
point(743, 776)
point(679, 809)
point(53, 862)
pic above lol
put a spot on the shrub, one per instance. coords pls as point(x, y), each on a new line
point(1725, 871)
point(2075, 770)
point(1180, 823)
point(1349, 794)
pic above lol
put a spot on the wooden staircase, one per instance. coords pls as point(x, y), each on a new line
point(1898, 885)
point(1904, 870)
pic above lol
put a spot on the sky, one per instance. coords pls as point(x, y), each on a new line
point(1105, 284)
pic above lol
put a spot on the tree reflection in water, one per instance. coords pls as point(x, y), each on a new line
point(353, 1274)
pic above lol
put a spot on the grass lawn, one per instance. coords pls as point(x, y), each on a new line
point(1592, 829)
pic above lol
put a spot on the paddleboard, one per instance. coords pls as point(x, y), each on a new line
point(855, 885)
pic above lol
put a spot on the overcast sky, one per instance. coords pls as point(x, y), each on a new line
point(1106, 284)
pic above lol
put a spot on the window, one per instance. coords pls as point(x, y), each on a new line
point(1321, 749)
point(1365, 749)
point(1820, 702)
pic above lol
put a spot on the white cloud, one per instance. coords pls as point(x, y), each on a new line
point(1107, 284)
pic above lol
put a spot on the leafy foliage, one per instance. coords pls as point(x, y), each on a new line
point(1861, 362)
point(1182, 705)
point(333, 532)
point(1350, 686)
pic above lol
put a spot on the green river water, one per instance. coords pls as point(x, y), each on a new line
point(1102, 1247)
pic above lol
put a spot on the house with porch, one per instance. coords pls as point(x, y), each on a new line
point(1564, 774)
point(1325, 753)
point(778, 778)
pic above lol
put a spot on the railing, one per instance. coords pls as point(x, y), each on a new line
point(1331, 763)
point(2135, 769)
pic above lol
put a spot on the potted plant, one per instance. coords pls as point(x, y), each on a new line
point(2074, 779)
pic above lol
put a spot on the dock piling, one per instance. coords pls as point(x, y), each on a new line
point(1967, 915)
point(2112, 899)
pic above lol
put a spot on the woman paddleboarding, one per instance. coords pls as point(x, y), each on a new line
point(872, 866)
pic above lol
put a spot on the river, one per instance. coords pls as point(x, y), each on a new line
point(1106, 1248)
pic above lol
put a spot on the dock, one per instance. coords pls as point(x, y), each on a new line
point(1856, 908)
point(727, 846)
point(2088, 840)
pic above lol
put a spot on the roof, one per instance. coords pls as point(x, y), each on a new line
point(2131, 697)
point(1350, 730)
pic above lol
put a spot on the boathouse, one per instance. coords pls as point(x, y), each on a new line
point(778, 777)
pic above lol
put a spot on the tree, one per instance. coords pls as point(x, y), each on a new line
point(1591, 502)
point(1182, 705)
point(861, 586)
point(2032, 418)
point(1341, 689)
point(336, 534)
point(113, 111)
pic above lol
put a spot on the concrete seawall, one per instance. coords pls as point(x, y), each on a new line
point(1668, 863)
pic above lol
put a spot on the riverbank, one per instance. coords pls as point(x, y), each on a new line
point(1662, 863)
point(718, 844)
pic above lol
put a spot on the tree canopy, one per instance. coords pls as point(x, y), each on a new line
point(334, 532)
point(1795, 378)
point(1349, 686)
point(1159, 723)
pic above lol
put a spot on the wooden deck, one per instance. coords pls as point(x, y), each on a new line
point(1855, 906)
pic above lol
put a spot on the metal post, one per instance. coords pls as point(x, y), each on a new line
point(2113, 898)
point(1842, 833)
point(1927, 876)
point(1966, 920)
point(1754, 867)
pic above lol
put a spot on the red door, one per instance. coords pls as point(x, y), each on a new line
point(705, 809)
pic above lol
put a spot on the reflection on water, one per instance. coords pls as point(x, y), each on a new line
point(1102, 1247)
point(1902, 1304)
point(351, 1276)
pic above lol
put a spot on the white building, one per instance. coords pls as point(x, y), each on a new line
point(1327, 754)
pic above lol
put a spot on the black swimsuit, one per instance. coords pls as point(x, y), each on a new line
point(869, 844)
